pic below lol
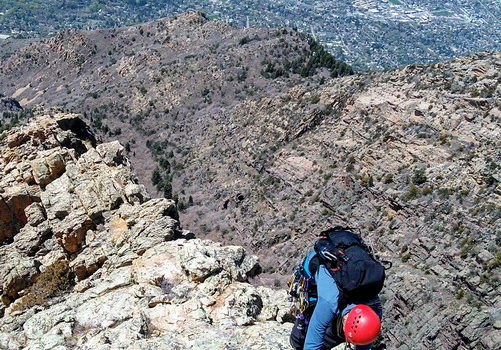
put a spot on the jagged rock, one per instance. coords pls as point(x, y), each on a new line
point(30, 239)
point(139, 282)
point(152, 223)
point(120, 306)
point(13, 202)
point(76, 201)
point(49, 165)
point(112, 153)
point(136, 193)
point(17, 274)
point(204, 262)
point(35, 214)
point(8, 342)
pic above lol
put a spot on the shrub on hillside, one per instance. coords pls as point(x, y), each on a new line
point(419, 177)
point(52, 282)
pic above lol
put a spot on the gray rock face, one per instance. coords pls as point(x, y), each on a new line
point(132, 280)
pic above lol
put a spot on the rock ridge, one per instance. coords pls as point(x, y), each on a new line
point(123, 273)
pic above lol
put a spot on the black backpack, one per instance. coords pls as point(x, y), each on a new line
point(357, 272)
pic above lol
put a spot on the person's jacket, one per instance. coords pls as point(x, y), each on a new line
point(328, 308)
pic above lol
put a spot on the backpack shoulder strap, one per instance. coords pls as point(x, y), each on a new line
point(310, 264)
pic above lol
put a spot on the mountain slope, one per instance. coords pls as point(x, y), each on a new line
point(161, 77)
point(409, 156)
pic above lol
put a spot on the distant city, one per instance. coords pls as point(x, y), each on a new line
point(367, 34)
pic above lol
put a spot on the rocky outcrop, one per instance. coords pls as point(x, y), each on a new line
point(89, 261)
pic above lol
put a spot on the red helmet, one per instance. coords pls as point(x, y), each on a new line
point(362, 326)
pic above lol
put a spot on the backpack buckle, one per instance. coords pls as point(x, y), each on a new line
point(329, 256)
